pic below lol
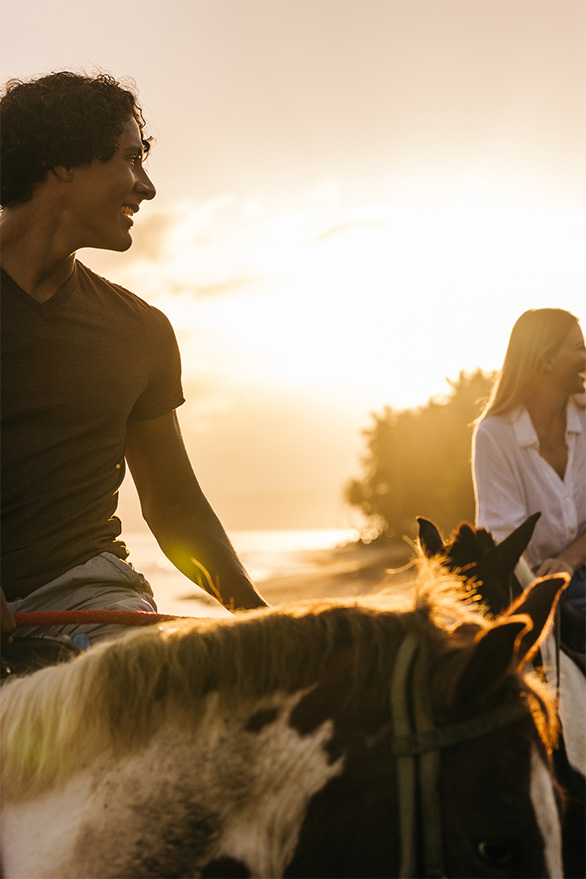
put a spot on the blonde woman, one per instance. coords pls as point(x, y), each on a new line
point(529, 445)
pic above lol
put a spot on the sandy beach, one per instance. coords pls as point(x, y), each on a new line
point(343, 572)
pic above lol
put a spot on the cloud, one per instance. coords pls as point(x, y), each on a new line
point(227, 246)
point(349, 226)
point(162, 231)
point(150, 241)
point(229, 287)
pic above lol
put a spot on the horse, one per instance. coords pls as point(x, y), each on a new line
point(364, 738)
point(499, 574)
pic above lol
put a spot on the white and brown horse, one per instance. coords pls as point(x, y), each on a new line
point(324, 739)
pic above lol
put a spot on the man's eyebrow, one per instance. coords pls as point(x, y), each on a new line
point(132, 147)
point(138, 148)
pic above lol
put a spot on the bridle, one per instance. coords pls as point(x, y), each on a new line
point(416, 744)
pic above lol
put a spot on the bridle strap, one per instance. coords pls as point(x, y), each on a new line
point(429, 770)
point(420, 742)
point(416, 745)
point(406, 769)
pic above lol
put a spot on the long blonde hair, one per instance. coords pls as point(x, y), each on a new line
point(536, 336)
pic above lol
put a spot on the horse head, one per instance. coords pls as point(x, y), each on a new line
point(474, 554)
point(492, 570)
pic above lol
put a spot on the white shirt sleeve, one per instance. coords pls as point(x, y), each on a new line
point(500, 498)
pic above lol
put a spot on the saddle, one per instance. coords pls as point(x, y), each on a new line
point(25, 655)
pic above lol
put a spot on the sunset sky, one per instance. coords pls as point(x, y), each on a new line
point(356, 200)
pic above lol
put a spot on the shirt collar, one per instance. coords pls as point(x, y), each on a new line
point(574, 422)
point(526, 434)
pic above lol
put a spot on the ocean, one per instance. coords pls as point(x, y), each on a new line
point(264, 554)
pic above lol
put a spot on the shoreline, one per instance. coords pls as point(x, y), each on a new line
point(342, 572)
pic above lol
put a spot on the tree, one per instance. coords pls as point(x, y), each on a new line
point(417, 462)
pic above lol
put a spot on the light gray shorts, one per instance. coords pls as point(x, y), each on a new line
point(104, 583)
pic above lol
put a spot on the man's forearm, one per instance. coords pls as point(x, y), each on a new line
point(215, 569)
point(206, 556)
point(180, 516)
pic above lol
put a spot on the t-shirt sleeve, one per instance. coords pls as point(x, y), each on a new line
point(164, 391)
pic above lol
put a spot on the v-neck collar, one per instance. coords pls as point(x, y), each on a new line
point(62, 294)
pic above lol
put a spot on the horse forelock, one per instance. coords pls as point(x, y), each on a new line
point(116, 696)
point(468, 545)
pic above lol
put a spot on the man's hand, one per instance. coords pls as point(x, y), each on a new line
point(6, 619)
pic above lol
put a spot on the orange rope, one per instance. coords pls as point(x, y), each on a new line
point(91, 617)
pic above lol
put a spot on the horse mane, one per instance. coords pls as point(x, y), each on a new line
point(118, 694)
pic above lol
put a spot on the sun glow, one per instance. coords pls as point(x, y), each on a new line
point(377, 300)
point(340, 234)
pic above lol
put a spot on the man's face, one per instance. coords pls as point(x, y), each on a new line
point(103, 196)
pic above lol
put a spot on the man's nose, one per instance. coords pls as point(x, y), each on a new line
point(144, 185)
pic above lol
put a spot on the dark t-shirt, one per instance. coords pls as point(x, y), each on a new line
point(75, 370)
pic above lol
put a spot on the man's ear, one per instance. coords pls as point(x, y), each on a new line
point(62, 173)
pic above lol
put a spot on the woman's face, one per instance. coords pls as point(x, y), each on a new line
point(567, 367)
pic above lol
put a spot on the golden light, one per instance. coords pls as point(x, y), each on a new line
point(382, 300)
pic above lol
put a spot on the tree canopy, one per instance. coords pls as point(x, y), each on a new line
point(417, 462)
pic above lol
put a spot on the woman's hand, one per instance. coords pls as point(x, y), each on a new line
point(553, 566)
point(568, 561)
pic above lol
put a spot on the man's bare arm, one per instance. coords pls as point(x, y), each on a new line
point(179, 515)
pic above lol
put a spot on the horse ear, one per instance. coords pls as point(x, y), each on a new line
point(491, 659)
point(512, 639)
point(539, 602)
point(510, 550)
point(429, 538)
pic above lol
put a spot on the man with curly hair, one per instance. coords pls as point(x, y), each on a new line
point(91, 373)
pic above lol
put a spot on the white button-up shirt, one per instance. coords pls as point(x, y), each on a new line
point(512, 481)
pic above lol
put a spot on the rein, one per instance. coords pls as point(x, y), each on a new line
point(89, 617)
point(416, 745)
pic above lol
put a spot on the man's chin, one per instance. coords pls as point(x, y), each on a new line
point(119, 246)
point(124, 244)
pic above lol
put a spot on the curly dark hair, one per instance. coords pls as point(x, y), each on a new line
point(63, 118)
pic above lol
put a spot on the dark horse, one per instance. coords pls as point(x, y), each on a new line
point(491, 568)
point(349, 739)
